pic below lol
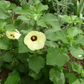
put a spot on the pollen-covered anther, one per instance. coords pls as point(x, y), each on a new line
point(12, 35)
point(34, 38)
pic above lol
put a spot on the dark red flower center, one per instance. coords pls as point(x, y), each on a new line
point(12, 35)
point(34, 38)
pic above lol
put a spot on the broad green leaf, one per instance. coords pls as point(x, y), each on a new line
point(65, 18)
point(14, 62)
point(71, 77)
point(26, 6)
point(10, 27)
point(77, 52)
point(23, 18)
point(22, 68)
point(7, 57)
point(3, 15)
point(2, 25)
point(80, 40)
point(41, 23)
point(36, 1)
point(76, 82)
point(54, 57)
point(45, 72)
point(50, 31)
point(56, 76)
point(51, 44)
point(73, 19)
point(27, 80)
point(12, 6)
point(22, 47)
point(4, 44)
point(52, 20)
point(56, 35)
point(37, 16)
point(23, 57)
point(34, 75)
point(81, 81)
point(5, 4)
point(19, 10)
point(13, 78)
point(20, 25)
point(73, 66)
point(26, 31)
point(41, 7)
point(36, 63)
point(82, 73)
point(74, 31)
point(1, 53)
point(1, 63)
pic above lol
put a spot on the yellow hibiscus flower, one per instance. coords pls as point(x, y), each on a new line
point(13, 34)
point(35, 40)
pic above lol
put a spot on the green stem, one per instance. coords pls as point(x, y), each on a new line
point(57, 6)
point(35, 26)
point(80, 7)
point(13, 18)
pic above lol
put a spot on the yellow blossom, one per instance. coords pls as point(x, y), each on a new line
point(13, 34)
point(35, 40)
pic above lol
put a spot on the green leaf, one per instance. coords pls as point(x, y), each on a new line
point(1, 63)
point(36, 1)
point(4, 44)
point(54, 57)
point(76, 82)
point(26, 31)
point(34, 75)
point(41, 23)
point(13, 78)
point(77, 52)
point(65, 18)
point(27, 80)
point(23, 57)
point(41, 7)
point(80, 40)
point(73, 66)
point(23, 18)
point(12, 6)
point(3, 15)
point(22, 47)
point(52, 20)
point(22, 68)
point(56, 76)
point(19, 10)
point(36, 63)
point(5, 4)
point(25, 6)
point(10, 27)
point(2, 25)
point(74, 31)
point(7, 57)
point(73, 19)
point(81, 81)
point(71, 77)
point(56, 35)
point(51, 44)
